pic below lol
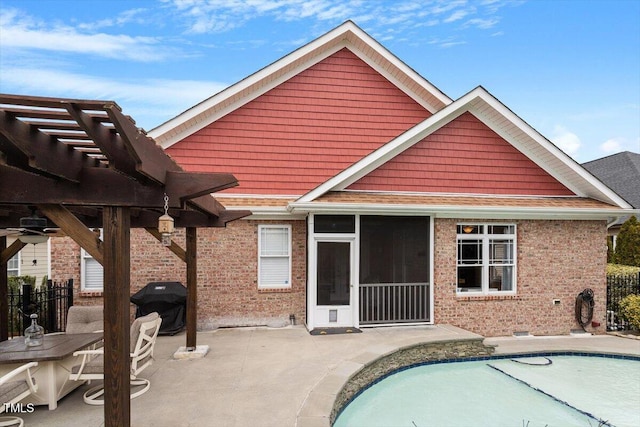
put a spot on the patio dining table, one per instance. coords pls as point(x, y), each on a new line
point(55, 360)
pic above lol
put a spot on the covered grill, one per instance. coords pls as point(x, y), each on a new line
point(168, 299)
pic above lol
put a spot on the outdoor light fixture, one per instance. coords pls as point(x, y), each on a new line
point(165, 224)
point(468, 228)
point(33, 238)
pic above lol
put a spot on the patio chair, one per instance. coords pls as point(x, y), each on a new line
point(144, 331)
point(84, 319)
point(15, 386)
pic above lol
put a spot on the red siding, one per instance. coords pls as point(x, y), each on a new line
point(464, 156)
point(306, 130)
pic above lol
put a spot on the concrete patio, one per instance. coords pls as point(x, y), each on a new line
point(277, 377)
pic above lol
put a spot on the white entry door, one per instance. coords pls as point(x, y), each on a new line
point(334, 283)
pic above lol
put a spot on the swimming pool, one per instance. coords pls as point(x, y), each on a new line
point(537, 390)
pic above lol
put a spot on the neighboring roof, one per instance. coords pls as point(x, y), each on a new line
point(502, 121)
point(347, 35)
point(621, 173)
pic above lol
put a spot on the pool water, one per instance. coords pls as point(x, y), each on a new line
point(519, 392)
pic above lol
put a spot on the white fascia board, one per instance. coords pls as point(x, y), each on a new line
point(197, 117)
point(448, 211)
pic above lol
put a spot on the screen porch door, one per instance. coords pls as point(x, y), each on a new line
point(334, 283)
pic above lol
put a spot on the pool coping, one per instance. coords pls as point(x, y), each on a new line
point(317, 408)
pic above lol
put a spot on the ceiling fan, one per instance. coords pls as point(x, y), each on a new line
point(33, 229)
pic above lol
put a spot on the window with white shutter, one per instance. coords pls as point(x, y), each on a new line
point(13, 265)
point(274, 256)
point(92, 275)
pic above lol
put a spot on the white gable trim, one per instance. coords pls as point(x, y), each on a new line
point(347, 35)
point(502, 121)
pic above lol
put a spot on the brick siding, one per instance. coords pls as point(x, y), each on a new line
point(555, 260)
point(228, 293)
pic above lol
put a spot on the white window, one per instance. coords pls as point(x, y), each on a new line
point(274, 256)
point(486, 258)
point(92, 274)
point(13, 266)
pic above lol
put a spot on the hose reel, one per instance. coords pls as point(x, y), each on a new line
point(584, 307)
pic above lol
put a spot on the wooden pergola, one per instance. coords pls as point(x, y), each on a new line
point(84, 164)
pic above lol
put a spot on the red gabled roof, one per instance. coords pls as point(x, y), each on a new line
point(464, 156)
point(304, 131)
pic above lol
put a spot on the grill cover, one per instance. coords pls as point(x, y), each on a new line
point(169, 299)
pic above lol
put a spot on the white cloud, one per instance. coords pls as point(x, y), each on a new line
point(456, 16)
point(618, 144)
point(567, 141)
point(446, 43)
point(612, 145)
point(218, 16)
point(18, 31)
point(164, 98)
point(483, 24)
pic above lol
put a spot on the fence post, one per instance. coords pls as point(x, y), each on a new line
point(69, 293)
point(26, 306)
point(52, 324)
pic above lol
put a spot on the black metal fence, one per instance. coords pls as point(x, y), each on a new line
point(619, 287)
point(50, 303)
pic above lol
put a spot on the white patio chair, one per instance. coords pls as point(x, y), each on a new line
point(15, 386)
point(144, 331)
point(84, 319)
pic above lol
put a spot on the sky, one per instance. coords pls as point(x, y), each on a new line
point(569, 68)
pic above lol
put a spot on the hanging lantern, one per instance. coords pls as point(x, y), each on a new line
point(165, 224)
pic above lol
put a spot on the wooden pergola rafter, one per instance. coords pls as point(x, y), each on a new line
point(84, 164)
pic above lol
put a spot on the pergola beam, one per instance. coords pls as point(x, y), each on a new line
point(74, 228)
point(8, 253)
point(150, 159)
point(191, 185)
point(109, 143)
point(34, 149)
point(100, 186)
point(174, 247)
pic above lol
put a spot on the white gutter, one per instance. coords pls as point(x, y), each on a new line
point(453, 211)
point(269, 213)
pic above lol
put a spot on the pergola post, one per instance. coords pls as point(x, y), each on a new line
point(4, 295)
point(192, 286)
point(117, 404)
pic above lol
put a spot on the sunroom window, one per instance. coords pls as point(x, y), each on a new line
point(486, 258)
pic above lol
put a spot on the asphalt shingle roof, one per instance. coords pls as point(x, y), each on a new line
point(621, 173)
